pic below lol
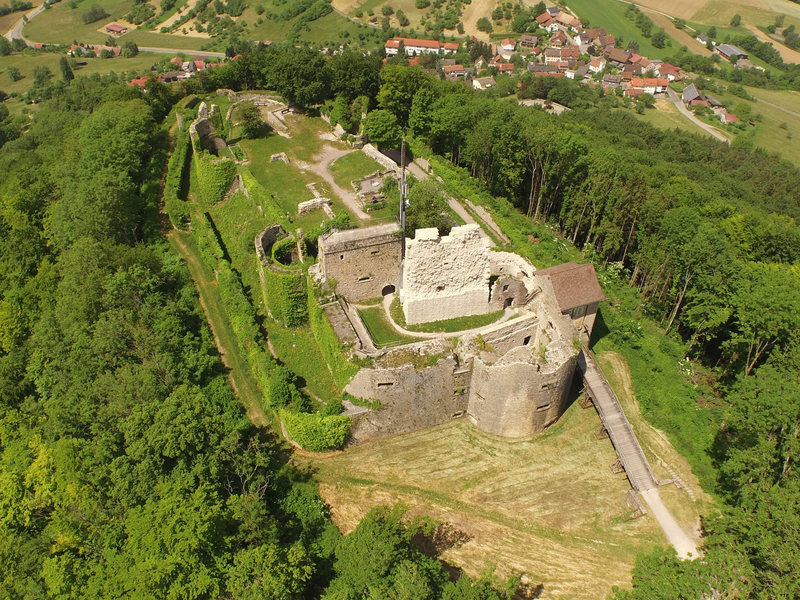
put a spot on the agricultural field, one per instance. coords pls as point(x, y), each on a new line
point(25, 62)
point(64, 25)
point(718, 12)
point(549, 508)
point(611, 15)
point(9, 20)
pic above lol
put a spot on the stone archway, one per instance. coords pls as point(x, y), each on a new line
point(388, 289)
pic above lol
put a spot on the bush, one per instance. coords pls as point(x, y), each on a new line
point(176, 208)
point(421, 4)
point(95, 13)
point(316, 433)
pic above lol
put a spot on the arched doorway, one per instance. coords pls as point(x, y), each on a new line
point(388, 289)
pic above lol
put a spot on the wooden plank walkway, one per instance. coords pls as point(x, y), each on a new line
point(619, 429)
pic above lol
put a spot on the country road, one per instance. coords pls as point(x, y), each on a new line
point(788, 112)
point(16, 30)
point(679, 104)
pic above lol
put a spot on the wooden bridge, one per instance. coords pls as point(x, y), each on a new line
point(631, 457)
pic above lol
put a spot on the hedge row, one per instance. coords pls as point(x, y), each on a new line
point(214, 177)
point(176, 208)
point(272, 213)
point(315, 432)
point(327, 340)
point(284, 292)
point(532, 240)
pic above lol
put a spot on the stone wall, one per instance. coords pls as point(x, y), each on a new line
point(446, 277)
point(381, 159)
point(412, 397)
point(362, 261)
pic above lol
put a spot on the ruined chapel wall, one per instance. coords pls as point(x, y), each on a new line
point(446, 277)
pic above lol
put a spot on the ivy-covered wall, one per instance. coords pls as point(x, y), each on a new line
point(262, 198)
point(176, 208)
point(315, 432)
point(214, 177)
point(285, 294)
point(327, 340)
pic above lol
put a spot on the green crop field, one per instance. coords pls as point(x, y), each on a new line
point(611, 15)
point(718, 12)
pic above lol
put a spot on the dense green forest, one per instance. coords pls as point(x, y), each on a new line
point(128, 468)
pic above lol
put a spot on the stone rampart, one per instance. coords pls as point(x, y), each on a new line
point(381, 159)
point(412, 396)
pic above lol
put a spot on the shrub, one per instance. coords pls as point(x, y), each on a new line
point(214, 177)
point(315, 432)
point(176, 208)
point(95, 13)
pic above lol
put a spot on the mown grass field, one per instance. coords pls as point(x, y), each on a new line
point(549, 507)
point(381, 330)
point(666, 116)
point(63, 25)
point(26, 61)
point(788, 99)
point(611, 15)
point(719, 12)
point(353, 166)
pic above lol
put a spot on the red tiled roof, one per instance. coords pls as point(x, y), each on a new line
point(574, 285)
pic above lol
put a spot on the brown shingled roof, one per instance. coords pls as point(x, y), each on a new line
point(574, 284)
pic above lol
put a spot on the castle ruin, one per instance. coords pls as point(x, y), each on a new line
point(511, 378)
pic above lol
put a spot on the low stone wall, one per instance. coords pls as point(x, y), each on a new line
point(381, 159)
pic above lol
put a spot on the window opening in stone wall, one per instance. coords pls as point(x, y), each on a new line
point(439, 288)
point(542, 408)
point(388, 289)
point(385, 384)
point(526, 341)
point(505, 288)
point(548, 386)
point(341, 257)
point(374, 252)
point(367, 278)
point(508, 302)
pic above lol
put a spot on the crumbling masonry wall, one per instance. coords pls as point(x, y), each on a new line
point(446, 277)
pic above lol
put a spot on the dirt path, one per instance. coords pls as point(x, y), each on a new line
point(685, 112)
point(238, 371)
point(787, 54)
point(682, 543)
point(320, 167)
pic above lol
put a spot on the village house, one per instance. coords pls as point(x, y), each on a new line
point(702, 38)
point(578, 73)
point(559, 39)
point(597, 64)
point(138, 82)
point(414, 47)
point(115, 50)
point(727, 118)
point(547, 22)
point(604, 41)
point(540, 69)
point(669, 71)
point(552, 56)
point(612, 81)
point(454, 70)
point(571, 53)
point(483, 83)
point(506, 68)
point(568, 22)
point(508, 45)
point(528, 42)
point(631, 71)
point(617, 57)
point(650, 85)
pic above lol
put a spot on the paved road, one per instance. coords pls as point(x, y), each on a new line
point(788, 112)
point(686, 113)
point(16, 31)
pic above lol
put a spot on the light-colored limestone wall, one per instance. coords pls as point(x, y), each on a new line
point(518, 396)
point(446, 277)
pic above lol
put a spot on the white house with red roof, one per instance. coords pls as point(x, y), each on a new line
point(415, 47)
point(727, 118)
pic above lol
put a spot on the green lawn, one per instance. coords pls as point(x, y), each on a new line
point(719, 12)
point(666, 116)
point(26, 61)
point(381, 330)
point(355, 165)
point(330, 28)
point(787, 99)
point(611, 15)
point(447, 325)
point(63, 25)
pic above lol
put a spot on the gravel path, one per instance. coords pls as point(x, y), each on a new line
point(320, 167)
point(682, 543)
